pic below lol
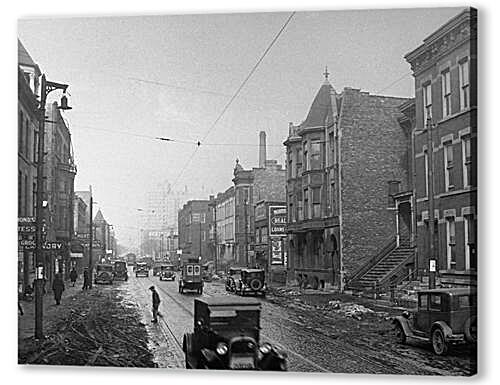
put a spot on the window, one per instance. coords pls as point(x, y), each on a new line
point(448, 166)
point(26, 191)
point(33, 196)
point(300, 210)
point(446, 90)
point(316, 202)
point(291, 212)
point(467, 161)
point(35, 146)
point(306, 204)
point(20, 132)
point(435, 302)
point(290, 165)
point(315, 155)
point(304, 158)
point(450, 242)
point(299, 161)
point(19, 193)
point(464, 301)
point(263, 238)
point(470, 242)
point(427, 93)
point(426, 166)
point(27, 138)
point(463, 75)
point(422, 302)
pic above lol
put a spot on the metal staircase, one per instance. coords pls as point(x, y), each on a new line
point(387, 268)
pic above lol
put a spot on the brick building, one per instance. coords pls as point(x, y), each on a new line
point(193, 225)
point(266, 182)
point(445, 71)
point(27, 153)
point(223, 214)
point(60, 173)
point(343, 162)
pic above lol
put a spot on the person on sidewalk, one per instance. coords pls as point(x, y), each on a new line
point(73, 275)
point(58, 288)
point(156, 304)
point(86, 279)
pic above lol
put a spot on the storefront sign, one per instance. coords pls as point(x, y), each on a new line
point(277, 251)
point(27, 244)
point(277, 220)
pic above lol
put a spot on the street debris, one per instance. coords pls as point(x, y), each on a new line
point(347, 309)
point(95, 330)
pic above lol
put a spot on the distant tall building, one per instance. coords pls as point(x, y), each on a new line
point(162, 206)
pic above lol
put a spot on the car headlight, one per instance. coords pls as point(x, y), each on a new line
point(266, 348)
point(221, 348)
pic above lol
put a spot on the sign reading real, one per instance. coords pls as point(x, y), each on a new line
point(277, 221)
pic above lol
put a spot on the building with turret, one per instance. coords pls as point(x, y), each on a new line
point(344, 163)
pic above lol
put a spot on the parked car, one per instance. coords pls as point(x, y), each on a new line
point(167, 272)
point(226, 336)
point(251, 282)
point(191, 278)
point(233, 276)
point(120, 270)
point(444, 317)
point(141, 269)
point(103, 273)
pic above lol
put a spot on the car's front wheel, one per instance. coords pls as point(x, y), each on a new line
point(439, 344)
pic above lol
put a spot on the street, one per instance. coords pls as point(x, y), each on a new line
point(314, 342)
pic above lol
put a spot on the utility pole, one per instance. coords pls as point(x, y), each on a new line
point(432, 260)
point(200, 236)
point(246, 232)
point(91, 236)
point(45, 89)
point(215, 237)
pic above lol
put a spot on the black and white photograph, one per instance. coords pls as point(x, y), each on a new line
point(287, 191)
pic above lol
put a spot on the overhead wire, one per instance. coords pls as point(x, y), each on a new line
point(235, 95)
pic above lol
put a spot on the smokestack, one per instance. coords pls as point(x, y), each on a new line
point(262, 149)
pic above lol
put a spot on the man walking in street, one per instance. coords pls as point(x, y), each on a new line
point(58, 288)
point(73, 276)
point(86, 279)
point(156, 304)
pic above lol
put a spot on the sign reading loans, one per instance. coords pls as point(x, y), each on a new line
point(277, 221)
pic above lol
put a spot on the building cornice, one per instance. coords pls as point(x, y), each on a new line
point(459, 30)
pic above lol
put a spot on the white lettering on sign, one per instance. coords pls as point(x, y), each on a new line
point(26, 220)
point(277, 220)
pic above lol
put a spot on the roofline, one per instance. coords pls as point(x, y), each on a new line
point(441, 31)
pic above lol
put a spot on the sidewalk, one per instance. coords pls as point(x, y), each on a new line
point(26, 322)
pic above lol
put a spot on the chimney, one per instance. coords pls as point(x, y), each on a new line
point(262, 149)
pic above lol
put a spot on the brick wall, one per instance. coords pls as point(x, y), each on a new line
point(373, 151)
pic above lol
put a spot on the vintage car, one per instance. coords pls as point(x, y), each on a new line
point(251, 282)
point(103, 273)
point(141, 269)
point(191, 278)
point(233, 276)
point(120, 270)
point(226, 336)
point(444, 317)
point(167, 272)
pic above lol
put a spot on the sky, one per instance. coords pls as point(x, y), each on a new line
point(135, 78)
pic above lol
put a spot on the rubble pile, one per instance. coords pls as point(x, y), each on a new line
point(347, 309)
point(96, 330)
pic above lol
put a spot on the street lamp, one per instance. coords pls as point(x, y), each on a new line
point(45, 88)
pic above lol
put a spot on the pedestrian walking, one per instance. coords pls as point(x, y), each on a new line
point(156, 304)
point(86, 279)
point(58, 288)
point(73, 275)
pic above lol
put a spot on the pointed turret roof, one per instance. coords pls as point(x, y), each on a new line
point(99, 217)
point(324, 106)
